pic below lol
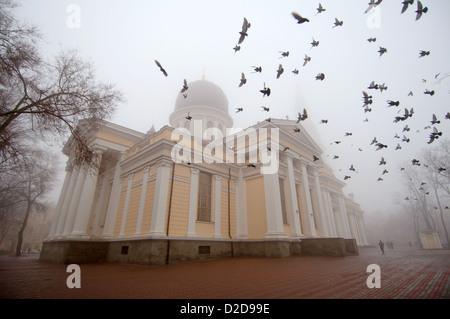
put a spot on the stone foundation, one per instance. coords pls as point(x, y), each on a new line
point(162, 251)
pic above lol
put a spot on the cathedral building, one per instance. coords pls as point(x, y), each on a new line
point(195, 190)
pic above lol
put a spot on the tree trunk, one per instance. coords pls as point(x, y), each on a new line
point(22, 228)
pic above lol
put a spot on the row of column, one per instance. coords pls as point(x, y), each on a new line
point(77, 196)
point(317, 214)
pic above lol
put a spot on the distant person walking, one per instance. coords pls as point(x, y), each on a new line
point(381, 244)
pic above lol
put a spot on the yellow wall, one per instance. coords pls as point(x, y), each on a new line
point(256, 209)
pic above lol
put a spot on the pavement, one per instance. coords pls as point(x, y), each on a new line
point(405, 273)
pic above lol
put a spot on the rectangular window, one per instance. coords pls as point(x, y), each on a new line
point(204, 197)
point(283, 201)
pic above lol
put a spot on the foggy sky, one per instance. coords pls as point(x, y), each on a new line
point(191, 38)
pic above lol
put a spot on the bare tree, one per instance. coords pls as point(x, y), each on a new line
point(41, 98)
point(27, 190)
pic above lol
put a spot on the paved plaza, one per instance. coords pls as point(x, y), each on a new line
point(404, 274)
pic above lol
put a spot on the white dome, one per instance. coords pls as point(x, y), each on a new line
point(203, 100)
point(202, 93)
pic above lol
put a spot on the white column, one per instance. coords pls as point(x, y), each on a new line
point(193, 202)
point(329, 213)
point(62, 196)
point(125, 205)
point(84, 210)
point(274, 216)
point(217, 205)
point(363, 230)
point(100, 208)
point(334, 222)
point(113, 204)
point(320, 211)
point(160, 198)
point(75, 201)
point(142, 201)
point(293, 204)
point(241, 206)
point(344, 218)
point(66, 204)
point(309, 217)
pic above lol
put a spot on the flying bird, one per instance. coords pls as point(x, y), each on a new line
point(373, 4)
point(295, 71)
point(406, 3)
point(382, 161)
point(306, 59)
point(315, 43)
point(382, 51)
point(161, 68)
point(243, 80)
point(337, 23)
point(372, 39)
point(296, 130)
point(423, 53)
point(415, 162)
point(284, 54)
point(374, 141)
point(373, 86)
point(431, 93)
point(393, 103)
point(324, 121)
point(315, 158)
point(405, 139)
point(320, 9)
point(243, 33)
point(320, 76)
point(265, 91)
point(302, 117)
point(185, 86)
point(188, 117)
point(434, 136)
point(239, 109)
point(383, 87)
point(420, 10)
point(266, 109)
point(299, 18)
point(434, 120)
point(447, 116)
point(280, 71)
point(236, 48)
point(380, 146)
point(257, 69)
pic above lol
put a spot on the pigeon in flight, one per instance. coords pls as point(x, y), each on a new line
point(431, 93)
point(302, 117)
point(315, 158)
point(382, 161)
point(383, 87)
point(185, 86)
point(373, 86)
point(374, 141)
point(324, 121)
point(406, 3)
point(161, 68)
point(296, 130)
point(265, 91)
point(406, 139)
point(320, 76)
point(280, 71)
point(284, 54)
point(337, 23)
point(243, 33)
point(393, 103)
point(243, 80)
point(257, 69)
point(434, 135)
point(306, 59)
point(420, 10)
point(188, 117)
point(367, 98)
point(447, 116)
point(415, 162)
point(239, 109)
point(380, 146)
point(236, 48)
point(435, 120)
point(382, 51)
point(372, 39)
point(315, 43)
point(299, 18)
point(266, 109)
point(373, 4)
point(423, 53)
point(295, 71)
point(320, 9)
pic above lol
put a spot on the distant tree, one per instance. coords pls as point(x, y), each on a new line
point(430, 180)
point(42, 99)
point(23, 189)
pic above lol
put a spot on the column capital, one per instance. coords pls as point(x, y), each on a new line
point(194, 170)
point(218, 177)
point(146, 168)
point(98, 149)
point(164, 162)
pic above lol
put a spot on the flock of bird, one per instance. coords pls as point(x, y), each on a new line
point(367, 97)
